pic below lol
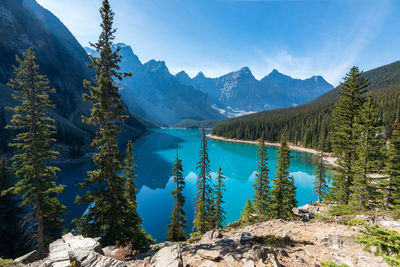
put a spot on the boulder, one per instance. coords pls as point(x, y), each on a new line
point(27, 258)
point(212, 255)
point(337, 241)
point(210, 235)
point(168, 257)
point(245, 237)
point(89, 258)
point(305, 212)
point(371, 262)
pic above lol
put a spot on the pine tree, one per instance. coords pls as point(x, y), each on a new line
point(392, 169)
point(13, 241)
point(343, 134)
point(112, 215)
point(248, 210)
point(218, 200)
point(34, 152)
point(178, 222)
point(284, 191)
point(261, 186)
point(320, 183)
point(135, 234)
point(369, 157)
point(204, 189)
point(4, 135)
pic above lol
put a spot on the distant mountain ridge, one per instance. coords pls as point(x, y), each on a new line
point(154, 93)
point(240, 90)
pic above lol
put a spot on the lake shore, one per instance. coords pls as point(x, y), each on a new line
point(328, 159)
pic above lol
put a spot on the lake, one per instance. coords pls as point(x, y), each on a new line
point(155, 153)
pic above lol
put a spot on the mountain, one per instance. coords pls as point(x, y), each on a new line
point(240, 92)
point(308, 125)
point(25, 24)
point(155, 94)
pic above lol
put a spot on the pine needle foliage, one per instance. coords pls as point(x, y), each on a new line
point(34, 152)
point(344, 136)
point(392, 169)
point(284, 191)
point(370, 158)
point(112, 213)
point(13, 241)
point(386, 243)
point(262, 188)
point(320, 183)
point(248, 210)
point(219, 212)
point(176, 227)
point(204, 202)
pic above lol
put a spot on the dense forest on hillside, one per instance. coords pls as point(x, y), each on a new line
point(308, 125)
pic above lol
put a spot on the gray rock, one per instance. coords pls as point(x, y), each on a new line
point(305, 212)
point(210, 235)
point(213, 255)
point(337, 241)
point(245, 237)
point(168, 257)
point(27, 258)
point(370, 262)
point(89, 258)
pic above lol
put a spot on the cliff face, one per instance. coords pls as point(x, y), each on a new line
point(24, 24)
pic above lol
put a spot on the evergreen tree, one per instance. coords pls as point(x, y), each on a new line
point(343, 135)
point(248, 210)
point(392, 169)
point(320, 183)
point(219, 213)
point(112, 215)
point(261, 186)
point(136, 235)
point(284, 191)
point(34, 152)
point(4, 135)
point(203, 199)
point(13, 242)
point(178, 223)
point(369, 157)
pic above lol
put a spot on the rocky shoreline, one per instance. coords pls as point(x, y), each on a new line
point(270, 243)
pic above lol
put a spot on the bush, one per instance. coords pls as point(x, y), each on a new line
point(342, 210)
point(194, 237)
point(332, 264)
point(8, 263)
point(386, 243)
point(357, 222)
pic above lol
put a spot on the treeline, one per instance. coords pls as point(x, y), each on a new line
point(72, 139)
point(309, 125)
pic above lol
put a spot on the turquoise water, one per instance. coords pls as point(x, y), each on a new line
point(155, 153)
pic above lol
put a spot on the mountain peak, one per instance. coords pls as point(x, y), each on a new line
point(182, 74)
point(157, 66)
point(200, 75)
point(245, 70)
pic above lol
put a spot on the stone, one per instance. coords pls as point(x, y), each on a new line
point(245, 237)
point(27, 258)
point(168, 257)
point(337, 241)
point(110, 250)
point(210, 235)
point(370, 262)
point(305, 212)
point(86, 258)
point(213, 255)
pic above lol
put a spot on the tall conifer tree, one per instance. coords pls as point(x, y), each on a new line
point(369, 157)
point(204, 203)
point(34, 152)
point(111, 215)
point(392, 169)
point(284, 191)
point(248, 210)
point(13, 241)
point(320, 183)
point(343, 134)
point(176, 228)
point(4, 135)
point(219, 212)
point(262, 189)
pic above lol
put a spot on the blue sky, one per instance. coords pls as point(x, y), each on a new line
point(300, 38)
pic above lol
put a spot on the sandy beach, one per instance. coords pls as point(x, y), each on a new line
point(328, 159)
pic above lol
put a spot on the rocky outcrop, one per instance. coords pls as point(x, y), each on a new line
point(305, 212)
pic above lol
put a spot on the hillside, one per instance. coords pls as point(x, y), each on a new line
point(25, 24)
point(309, 124)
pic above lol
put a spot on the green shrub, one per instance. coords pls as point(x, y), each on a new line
point(194, 237)
point(8, 263)
point(356, 222)
point(386, 242)
point(342, 210)
point(332, 264)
